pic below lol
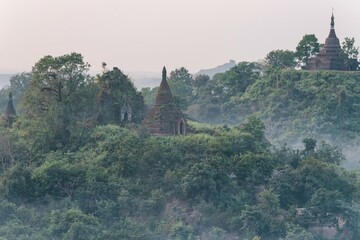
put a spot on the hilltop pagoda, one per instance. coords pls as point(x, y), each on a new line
point(329, 56)
point(165, 118)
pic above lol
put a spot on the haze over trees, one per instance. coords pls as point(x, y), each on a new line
point(71, 168)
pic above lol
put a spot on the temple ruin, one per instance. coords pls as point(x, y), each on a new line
point(165, 118)
point(329, 57)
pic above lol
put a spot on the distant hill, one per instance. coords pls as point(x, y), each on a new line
point(143, 79)
point(219, 69)
point(5, 80)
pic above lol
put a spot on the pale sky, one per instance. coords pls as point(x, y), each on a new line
point(144, 35)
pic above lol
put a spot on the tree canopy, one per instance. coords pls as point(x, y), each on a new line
point(71, 168)
point(307, 48)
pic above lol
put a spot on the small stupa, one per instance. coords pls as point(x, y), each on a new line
point(9, 114)
point(165, 118)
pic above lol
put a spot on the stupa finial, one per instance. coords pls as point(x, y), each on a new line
point(164, 73)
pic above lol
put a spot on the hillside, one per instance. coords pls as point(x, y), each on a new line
point(317, 104)
point(73, 168)
point(217, 183)
point(309, 103)
point(293, 104)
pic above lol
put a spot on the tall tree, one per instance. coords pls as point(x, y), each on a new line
point(349, 48)
point(181, 82)
point(200, 82)
point(237, 79)
point(350, 54)
point(307, 48)
point(181, 74)
point(18, 85)
point(280, 59)
point(56, 99)
point(117, 97)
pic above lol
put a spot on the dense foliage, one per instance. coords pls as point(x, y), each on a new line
point(215, 183)
point(72, 169)
point(293, 104)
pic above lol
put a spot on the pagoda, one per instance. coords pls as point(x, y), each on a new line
point(9, 114)
point(329, 56)
point(165, 118)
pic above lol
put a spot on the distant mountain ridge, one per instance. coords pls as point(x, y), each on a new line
point(219, 69)
point(143, 79)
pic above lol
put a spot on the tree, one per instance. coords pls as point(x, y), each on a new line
point(237, 79)
point(7, 149)
point(295, 232)
point(182, 231)
point(350, 54)
point(307, 48)
point(310, 145)
point(181, 82)
point(200, 181)
point(117, 92)
point(57, 100)
point(182, 75)
point(263, 218)
point(255, 127)
point(73, 224)
point(200, 81)
point(280, 59)
point(57, 177)
point(349, 48)
point(18, 85)
point(252, 169)
point(325, 205)
point(329, 153)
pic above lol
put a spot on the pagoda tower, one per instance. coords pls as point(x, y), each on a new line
point(329, 56)
point(165, 118)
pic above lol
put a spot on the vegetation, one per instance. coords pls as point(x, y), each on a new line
point(292, 103)
point(217, 182)
point(71, 168)
point(308, 47)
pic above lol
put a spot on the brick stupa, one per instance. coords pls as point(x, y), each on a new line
point(165, 118)
point(329, 56)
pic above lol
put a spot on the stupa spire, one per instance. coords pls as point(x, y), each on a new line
point(332, 20)
point(164, 74)
point(9, 114)
point(164, 95)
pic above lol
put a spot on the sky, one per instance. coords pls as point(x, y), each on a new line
point(145, 35)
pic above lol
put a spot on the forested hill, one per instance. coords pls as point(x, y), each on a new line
point(292, 103)
point(72, 167)
point(217, 183)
